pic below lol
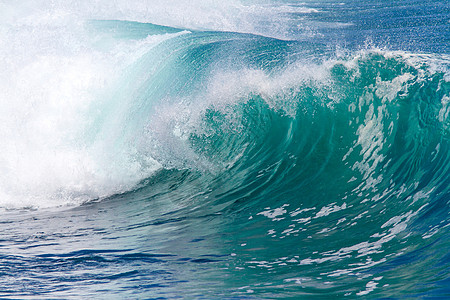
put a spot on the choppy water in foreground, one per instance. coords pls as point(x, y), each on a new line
point(228, 151)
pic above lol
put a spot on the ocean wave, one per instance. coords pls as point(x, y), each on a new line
point(239, 149)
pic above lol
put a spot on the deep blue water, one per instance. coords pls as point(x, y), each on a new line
point(246, 150)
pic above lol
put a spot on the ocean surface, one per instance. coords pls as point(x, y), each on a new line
point(225, 149)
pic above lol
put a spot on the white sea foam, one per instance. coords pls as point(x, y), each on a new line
point(51, 78)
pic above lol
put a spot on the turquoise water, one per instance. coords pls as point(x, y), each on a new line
point(247, 150)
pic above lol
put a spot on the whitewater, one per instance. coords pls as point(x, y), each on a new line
point(225, 150)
